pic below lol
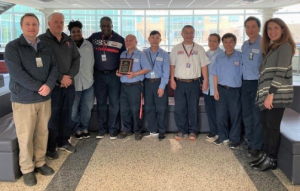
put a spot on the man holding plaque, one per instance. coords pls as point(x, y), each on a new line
point(156, 89)
point(108, 46)
point(188, 60)
point(132, 88)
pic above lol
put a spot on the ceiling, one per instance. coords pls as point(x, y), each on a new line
point(154, 4)
point(5, 6)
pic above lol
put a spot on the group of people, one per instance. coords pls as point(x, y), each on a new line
point(55, 77)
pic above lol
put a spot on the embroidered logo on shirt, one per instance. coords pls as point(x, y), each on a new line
point(68, 43)
point(180, 52)
point(236, 63)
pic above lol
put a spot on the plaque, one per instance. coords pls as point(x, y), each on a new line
point(125, 65)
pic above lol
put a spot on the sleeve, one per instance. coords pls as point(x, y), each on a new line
point(204, 60)
point(75, 61)
point(51, 80)
point(165, 71)
point(145, 64)
point(284, 58)
point(14, 65)
point(173, 56)
point(213, 70)
point(123, 48)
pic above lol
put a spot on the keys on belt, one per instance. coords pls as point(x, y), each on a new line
point(187, 80)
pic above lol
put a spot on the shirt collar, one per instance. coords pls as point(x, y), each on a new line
point(30, 43)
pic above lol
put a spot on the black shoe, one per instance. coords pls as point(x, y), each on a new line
point(234, 145)
point(52, 155)
point(68, 148)
point(147, 134)
point(78, 136)
point(113, 136)
point(86, 135)
point(138, 136)
point(220, 142)
point(29, 179)
point(100, 135)
point(252, 153)
point(261, 157)
point(45, 170)
point(267, 164)
point(123, 135)
point(211, 136)
point(161, 136)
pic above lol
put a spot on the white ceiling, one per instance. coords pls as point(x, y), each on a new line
point(154, 4)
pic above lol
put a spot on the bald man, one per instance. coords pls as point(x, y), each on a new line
point(132, 89)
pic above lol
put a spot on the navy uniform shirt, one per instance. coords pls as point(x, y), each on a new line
point(251, 59)
point(112, 47)
point(160, 65)
point(140, 62)
point(228, 69)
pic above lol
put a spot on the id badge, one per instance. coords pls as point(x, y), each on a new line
point(39, 62)
point(188, 65)
point(251, 56)
point(152, 74)
point(103, 57)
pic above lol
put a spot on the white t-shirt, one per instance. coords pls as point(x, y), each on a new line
point(188, 67)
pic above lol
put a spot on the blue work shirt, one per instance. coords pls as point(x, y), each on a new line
point(228, 69)
point(251, 59)
point(212, 58)
point(160, 65)
point(140, 62)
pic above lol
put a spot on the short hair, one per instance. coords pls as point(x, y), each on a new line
point(106, 19)
point(216, 35)
point(251, 18)
point(55, 13)
point(187, 26)
point(74, 24)
point(154, 32)
point(286, 37)
point(229, 35)
point(29, 15)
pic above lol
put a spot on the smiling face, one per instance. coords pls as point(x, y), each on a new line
point(213, 43)
point(56, 24)
point(130, 42)
point(188, 35)
point(76, 34)
point(154, 40)
point(229, 45)
point(106, 27)
point(274, 31)
point(252, 29)
point(30, 27)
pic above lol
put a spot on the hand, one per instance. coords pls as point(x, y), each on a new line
point(66, 81)
point(118, 74)
point(44, 90)
point(204, 85)
point(268, 101)
point(130, 75)
point(160, 92)
point(216, 95)
point(173, 84)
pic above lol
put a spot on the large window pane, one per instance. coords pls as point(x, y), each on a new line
point(161, 25)
point(176, 25)
point(135, 26)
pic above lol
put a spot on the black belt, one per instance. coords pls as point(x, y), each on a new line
point(187, 80)
point(152, 79)
point(106, 71)
point(226, 87)
point(132, 83)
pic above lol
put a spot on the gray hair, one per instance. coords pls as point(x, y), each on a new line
point(55, 13)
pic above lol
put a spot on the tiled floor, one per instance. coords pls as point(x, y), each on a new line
point(154, 165)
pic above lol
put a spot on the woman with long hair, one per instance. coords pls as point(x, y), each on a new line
point(275, 88)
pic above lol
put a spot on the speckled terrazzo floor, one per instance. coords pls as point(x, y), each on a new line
point(153, 165)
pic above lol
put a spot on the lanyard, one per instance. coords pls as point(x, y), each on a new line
point(131, 55)
point(186, 51)
point(153, 63)
point(103, 43)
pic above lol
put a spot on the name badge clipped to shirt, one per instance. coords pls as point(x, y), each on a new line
point(103, 57)
point(188, 65)
point(251, 56)
point(152, 74)
point(39, 62)
point(159, 59)
point(256, 51)
point(236, 63)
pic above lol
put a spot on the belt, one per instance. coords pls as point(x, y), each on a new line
point(107, 71)
point(132, 83)
point(187, 80)
point(226, 87)
point(152, 79)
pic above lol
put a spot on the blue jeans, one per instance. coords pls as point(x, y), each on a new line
point(81, 110)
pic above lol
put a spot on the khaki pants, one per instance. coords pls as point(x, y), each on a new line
point(31, 121)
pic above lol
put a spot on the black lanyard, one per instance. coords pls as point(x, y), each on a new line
point(153, 63)
point(131, 55)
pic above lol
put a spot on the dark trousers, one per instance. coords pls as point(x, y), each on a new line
point(107, 85)
point(156, 108)
point(271, 120)
point(229, 106)
point(60, 124)
point(211, 111)
point(251, 115)
point(130, 103)
point(186, 106)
